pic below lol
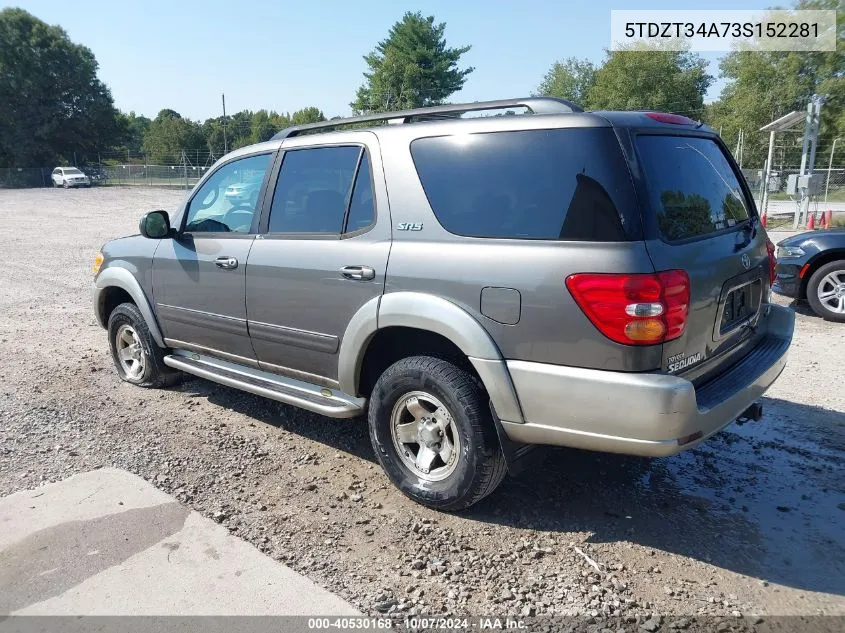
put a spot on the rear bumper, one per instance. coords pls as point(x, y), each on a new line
point(642, 414)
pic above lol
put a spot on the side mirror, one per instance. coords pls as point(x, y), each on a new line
point(155, 225)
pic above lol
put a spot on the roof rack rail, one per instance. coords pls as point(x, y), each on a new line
point(537, 105)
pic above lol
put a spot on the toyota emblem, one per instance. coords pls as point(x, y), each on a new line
point(746, 261)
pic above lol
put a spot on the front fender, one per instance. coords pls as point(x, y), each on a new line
point(116, 277)
point(434, 314)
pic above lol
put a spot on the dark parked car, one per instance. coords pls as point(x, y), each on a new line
point(811, 267)
point(96, 175)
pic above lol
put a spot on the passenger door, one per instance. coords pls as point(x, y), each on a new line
point(321, 255)
point(199, 275)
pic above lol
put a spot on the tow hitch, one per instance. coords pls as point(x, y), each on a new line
point(752, 414)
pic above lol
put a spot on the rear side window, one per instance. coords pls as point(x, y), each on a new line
point(570, 184)
point(318, 190)
point(691, 186)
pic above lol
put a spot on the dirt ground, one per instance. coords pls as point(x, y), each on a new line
point(751, 522)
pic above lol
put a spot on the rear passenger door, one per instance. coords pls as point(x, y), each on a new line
point(321, 254)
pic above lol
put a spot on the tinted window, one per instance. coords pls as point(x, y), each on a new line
point(540, 184)
point(313, 189)
point(692, 188)
point(361, 209)
point(227, 201)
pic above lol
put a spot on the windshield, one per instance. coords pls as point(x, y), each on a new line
point(73, 172)
point(692, 187)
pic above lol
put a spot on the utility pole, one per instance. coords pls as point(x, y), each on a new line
point(225, 143)
point(829, 166)
point(808, 156)
point(767, 170)
point(185, 168)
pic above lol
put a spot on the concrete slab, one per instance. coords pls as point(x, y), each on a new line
point(108, 543)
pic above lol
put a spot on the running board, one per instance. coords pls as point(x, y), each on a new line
point(329, 402)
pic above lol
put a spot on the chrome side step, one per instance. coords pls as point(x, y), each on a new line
point(329, 402)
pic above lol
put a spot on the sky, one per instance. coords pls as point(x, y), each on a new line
point(283, 56)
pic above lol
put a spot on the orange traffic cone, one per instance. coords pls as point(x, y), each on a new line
point(811, 221)
point(828, 218)
point(763, 219)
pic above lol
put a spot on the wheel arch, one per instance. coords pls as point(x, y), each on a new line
point(421, 312)
point(111, 279)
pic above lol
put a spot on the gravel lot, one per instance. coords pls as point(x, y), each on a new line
point(749, 523)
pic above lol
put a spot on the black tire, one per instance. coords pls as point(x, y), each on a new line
point(153, 372)
point(481, 465)
point(65, 184)
point(816, 279)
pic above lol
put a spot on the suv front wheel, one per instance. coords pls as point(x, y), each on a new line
point(137, 357)
point(433, 433)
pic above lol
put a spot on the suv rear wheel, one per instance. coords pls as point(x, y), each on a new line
point(826, 291)
point(137, 357)
point(433, 433)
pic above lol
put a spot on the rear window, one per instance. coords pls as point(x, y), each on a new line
point(570, 184)
point(691, 186)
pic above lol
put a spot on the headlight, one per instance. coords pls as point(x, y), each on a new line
point(98, 261)
point(787, 252)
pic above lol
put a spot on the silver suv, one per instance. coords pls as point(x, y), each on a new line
point(475, 285)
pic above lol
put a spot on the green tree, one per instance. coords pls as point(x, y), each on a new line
point(212, 131)
point(239, 129)
point(412, 68)
point(136, 127)
point(764, 85)
point(262, 128)
point(651, 79)
point(307, 115)
point(52, 102)
point(569, 79)
point(169, 134)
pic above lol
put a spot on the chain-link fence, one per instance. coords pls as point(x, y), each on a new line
point(181, 169)
point(22, 177)
point(780, 206)
point(171, 176)
point(176, 176)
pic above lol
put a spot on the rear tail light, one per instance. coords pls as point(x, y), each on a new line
point(638, 309)
point(770, 248)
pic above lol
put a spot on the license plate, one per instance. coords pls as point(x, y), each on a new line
point(738, 307)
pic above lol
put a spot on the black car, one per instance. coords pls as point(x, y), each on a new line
point(811, 267)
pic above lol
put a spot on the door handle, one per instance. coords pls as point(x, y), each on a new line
point(226, 262)
point(358, 273)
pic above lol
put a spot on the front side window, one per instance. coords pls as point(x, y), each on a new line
point(227, 201)
point(315, 194)
point(692, 188)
